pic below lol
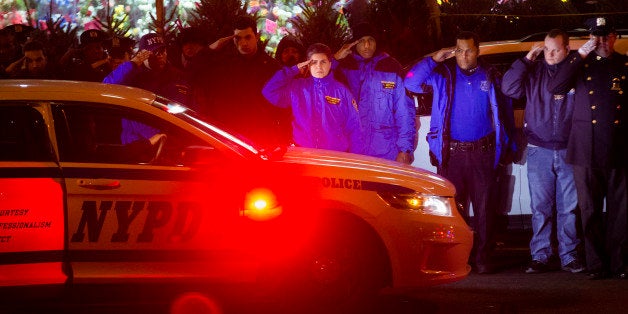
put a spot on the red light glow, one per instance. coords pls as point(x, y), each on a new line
point(261, 204)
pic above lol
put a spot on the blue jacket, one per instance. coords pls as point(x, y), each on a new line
point(547, 116)
point(170, 83)
point(386, 113)
point(324, 111)
point(441, 76)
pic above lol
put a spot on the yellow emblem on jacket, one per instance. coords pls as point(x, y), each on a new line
point(332, 100)
point(388, 84)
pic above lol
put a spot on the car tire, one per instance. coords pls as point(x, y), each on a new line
point(341, 270)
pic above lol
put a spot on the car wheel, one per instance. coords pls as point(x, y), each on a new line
point(340, 271)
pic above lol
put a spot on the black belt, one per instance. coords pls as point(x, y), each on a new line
point(484, 144)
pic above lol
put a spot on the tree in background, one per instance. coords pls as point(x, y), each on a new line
point(321, 22)
point(405, 28)
point(216, 17)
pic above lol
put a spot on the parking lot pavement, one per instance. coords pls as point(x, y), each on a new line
point(510, 290)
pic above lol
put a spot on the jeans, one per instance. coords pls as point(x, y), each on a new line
point(552, 185)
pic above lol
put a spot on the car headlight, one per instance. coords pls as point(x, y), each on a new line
point(420, 203)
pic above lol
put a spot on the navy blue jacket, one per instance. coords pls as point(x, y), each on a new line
point(547, 116)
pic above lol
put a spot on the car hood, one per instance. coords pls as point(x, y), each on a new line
point(339, 164)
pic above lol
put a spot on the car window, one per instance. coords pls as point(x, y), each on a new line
point(23, 135)
point(99, 133)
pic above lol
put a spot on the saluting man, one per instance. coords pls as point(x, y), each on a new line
point(375, 79)
point(597, 146)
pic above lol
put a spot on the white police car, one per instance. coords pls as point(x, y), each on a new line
point(86, 200)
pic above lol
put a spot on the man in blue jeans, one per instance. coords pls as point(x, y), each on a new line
point(550, 178)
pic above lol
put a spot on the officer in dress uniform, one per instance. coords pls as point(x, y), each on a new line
point(597, 146)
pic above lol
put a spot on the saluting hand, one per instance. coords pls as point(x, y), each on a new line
point(221, 42)
point(303, 66)
point(587, 47)
point(535, 51)
point(141, 56)
point(444, 54)
point(345, 50)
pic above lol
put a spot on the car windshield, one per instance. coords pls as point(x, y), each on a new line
point(237, 143)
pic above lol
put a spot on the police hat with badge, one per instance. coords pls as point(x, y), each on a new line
point(118, 46)
point(600, 26)
point(92, 36)
point(19, 32)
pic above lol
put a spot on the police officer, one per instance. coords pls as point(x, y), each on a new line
point(12, 38)
point(468, 131)
point(324, 111)
point(88, 62)
point(597, 146)
point(386, 113)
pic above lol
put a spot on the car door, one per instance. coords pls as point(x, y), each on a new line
point(31, 200)
point(136, 218)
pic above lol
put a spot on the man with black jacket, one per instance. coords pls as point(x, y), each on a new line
point(550, 178)
point(597, 146)
point(240, 68)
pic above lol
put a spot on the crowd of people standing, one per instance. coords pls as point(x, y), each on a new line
point(355, 100)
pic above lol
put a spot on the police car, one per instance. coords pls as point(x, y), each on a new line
point(185, 205)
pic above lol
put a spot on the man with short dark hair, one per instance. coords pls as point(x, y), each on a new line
point(550, 178)
point(33, 65)
point(240, 68)
point(387, 115)
point(468, 131)
point(597, 146)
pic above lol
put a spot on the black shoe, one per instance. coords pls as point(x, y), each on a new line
point(536, 267)
point(621, 275)
point(574, 267)
point(598, 275)
point(484, 269)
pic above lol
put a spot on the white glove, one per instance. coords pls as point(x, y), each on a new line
point(587, 47)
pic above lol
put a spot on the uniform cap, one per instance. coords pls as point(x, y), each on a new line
point(599, 26)
point(117, 46)
point(91, 36)
point(363, 29)
point(19, 31)
point(152, 42)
